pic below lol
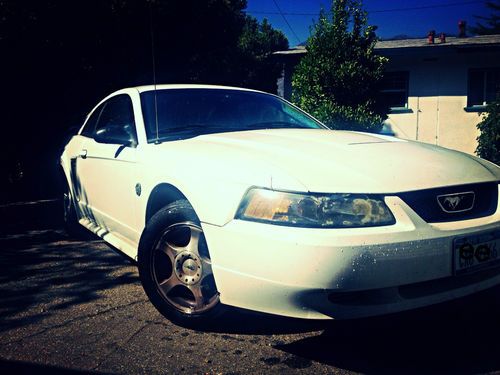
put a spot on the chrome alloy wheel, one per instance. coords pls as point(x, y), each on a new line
point(182, 269)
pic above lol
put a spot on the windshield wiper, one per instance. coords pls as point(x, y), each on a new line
point(179, 132)
point(173, 133)
point(186, 128)
point(275, 125)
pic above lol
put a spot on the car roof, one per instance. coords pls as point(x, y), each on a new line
point(189, 86)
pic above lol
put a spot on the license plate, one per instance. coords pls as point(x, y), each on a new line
point(476, 252)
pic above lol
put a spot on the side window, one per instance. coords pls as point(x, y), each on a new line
point(483, 86)
point(116, 121)
point(89, 128)
point(394, 90)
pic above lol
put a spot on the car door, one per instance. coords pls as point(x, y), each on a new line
point(107, 170)
point(76, 152)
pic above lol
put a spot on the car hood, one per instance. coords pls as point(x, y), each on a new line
point(338, 161)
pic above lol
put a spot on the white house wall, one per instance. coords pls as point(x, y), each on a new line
point(437, 96)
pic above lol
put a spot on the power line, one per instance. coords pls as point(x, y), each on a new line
point(283, 14)
point(286, 21)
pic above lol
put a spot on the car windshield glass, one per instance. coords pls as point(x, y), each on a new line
point(186, 113)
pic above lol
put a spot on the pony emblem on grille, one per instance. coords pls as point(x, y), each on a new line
point(458, 202)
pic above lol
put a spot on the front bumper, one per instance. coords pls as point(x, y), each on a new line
point(343, 273)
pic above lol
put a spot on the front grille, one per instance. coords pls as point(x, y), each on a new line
point(447, 284)
point(411, 291)
point(425, 203)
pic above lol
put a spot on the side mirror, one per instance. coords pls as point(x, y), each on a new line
point(118, 135)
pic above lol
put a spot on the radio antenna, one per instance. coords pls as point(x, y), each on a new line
point(157, 140)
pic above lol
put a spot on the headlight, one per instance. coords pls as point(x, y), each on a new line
point(314, 210)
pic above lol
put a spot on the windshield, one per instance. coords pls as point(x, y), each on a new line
point(186, 113)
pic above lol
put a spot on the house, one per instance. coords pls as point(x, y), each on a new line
point(436, 90)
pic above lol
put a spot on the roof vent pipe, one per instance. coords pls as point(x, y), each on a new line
point(430, 37)
point(461, 29)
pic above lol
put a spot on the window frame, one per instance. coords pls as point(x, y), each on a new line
point(472, 106)
point(97, 112)
point(406, 91)
point(102, 107)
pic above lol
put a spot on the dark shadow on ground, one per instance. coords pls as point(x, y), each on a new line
point(42, 270)
point(23, 216)
point(245, 322)
point(461, 337)
point(22, 368)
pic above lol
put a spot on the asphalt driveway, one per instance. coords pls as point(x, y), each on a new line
point(70, 306)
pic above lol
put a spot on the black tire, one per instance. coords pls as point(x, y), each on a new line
point(175, 267)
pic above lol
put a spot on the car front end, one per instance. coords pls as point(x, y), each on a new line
point(353, 272)
point(396, 225)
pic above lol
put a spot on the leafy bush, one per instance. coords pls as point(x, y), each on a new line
point(338, 79)
point(489, 140)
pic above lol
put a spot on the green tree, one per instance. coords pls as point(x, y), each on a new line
point(489, 140)
point(490, 24)
point(256, 44)
point(337, 80)
point(60, 57)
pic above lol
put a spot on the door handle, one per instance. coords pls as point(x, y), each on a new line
point(83, 154)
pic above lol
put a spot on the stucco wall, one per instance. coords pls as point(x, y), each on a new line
point(438, 95)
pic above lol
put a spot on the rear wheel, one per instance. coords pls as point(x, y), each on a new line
point(175, 266)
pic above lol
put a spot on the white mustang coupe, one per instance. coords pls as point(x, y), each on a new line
point(229, 196)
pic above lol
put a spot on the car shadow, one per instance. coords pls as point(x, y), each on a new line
point(460, 337)
point(245, 322)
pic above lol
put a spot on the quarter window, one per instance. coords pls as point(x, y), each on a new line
point(89, 128)
point(394, 90)
point(484, 84)
point(117, 114)
point(118, 111)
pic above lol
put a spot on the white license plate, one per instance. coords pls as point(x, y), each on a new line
point(476, 252)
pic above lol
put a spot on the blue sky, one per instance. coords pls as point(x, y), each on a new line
point(391, 16)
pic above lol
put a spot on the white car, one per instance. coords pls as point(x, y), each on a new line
point(228, 196)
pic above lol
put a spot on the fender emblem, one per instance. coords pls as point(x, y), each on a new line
point(138, 189)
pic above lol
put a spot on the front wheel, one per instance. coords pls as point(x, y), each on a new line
point(175, 266)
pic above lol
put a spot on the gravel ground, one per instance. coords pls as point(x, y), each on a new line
point(70, 306)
